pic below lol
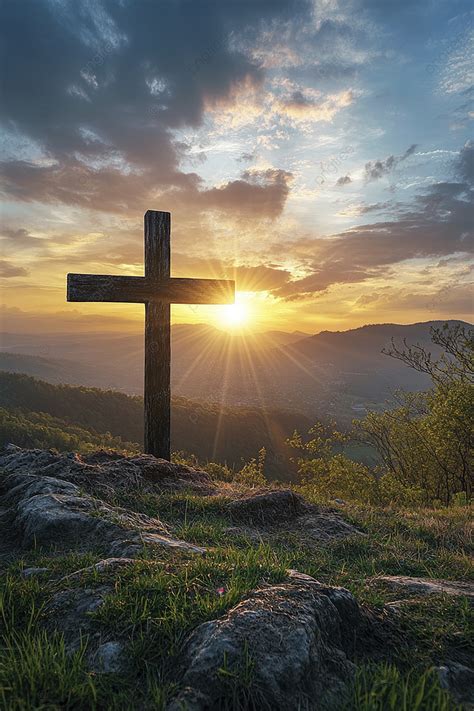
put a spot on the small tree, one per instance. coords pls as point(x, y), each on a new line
point(329, 475)
point(426, 442)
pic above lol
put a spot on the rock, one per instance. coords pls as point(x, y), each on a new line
point(109, 658)
point(31, 572)
point(133, 545)
point(427, 586)
point(296, 640)
point(325, 526)
point(109, 565)
point(303, 577)
point(459, 681)
point(47, 511)
point(108, 471)
point(68, 612)
point(286, 510)
point(269, 507)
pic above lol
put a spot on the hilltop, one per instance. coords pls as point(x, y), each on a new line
point(133, 582)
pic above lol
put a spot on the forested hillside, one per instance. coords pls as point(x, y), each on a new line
point(227, 435)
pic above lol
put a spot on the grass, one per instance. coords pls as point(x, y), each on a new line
point(382, 687)
point(157, 601)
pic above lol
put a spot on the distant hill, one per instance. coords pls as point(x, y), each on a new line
point(348, 371)
point(340, 374)
point(114, 360)
point(228, 435)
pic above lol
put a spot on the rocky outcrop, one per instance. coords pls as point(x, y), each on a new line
point(109, 471)
point(283, 509)
point(269, 507)
point(427, 586)
point(47, 511)
point(291, 643)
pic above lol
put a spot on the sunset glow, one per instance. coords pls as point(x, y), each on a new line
point(288, 155)
point(237, 315)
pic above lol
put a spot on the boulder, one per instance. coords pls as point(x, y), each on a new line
point(292, 642)
point(459, 681)
point(284, 509)
point(69, 613)
point(109, 471)
point(268, 507)
point(47, 511)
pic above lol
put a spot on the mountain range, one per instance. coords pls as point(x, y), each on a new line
point(340, 374)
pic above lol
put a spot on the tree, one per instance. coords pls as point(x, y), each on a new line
point(427, 441)
point(328, 475)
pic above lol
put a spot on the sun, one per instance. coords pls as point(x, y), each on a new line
point(236, 315)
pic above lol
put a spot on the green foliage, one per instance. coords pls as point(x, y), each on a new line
point(326, 475)
point(425, 444)
point(38, 429)
point(251, 475)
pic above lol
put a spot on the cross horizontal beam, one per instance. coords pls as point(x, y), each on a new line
point(137, 290)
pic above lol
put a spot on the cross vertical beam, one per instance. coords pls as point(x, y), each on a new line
point(157, 338)
point(157, 290)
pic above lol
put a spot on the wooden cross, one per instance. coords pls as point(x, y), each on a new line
point(157, 290)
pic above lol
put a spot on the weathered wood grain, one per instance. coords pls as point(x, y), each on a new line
point(138, 290)
point(157, 338)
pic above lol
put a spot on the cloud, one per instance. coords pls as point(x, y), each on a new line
point(311, 105)
point(263, 276)
point(108, 96)
point(437, 225)
point(19, 238)
point(7, 270)
point(455, 61)
point(374, 170)
point(465, 164)
point(258, 193)
point(344, 180)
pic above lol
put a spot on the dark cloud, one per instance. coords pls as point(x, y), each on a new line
point(374, 207)
point(258, 193)
point(255, 194)
point(344, 180)
point(465, 164)
point(374, 170)
point(100, 86)
point(7, 269)
point(246, 157)
point(439, 224)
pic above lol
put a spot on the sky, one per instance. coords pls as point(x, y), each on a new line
point(316, 152)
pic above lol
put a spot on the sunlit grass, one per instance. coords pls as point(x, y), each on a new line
point(158, 600)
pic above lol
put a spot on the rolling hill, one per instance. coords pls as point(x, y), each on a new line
point(340, 374)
